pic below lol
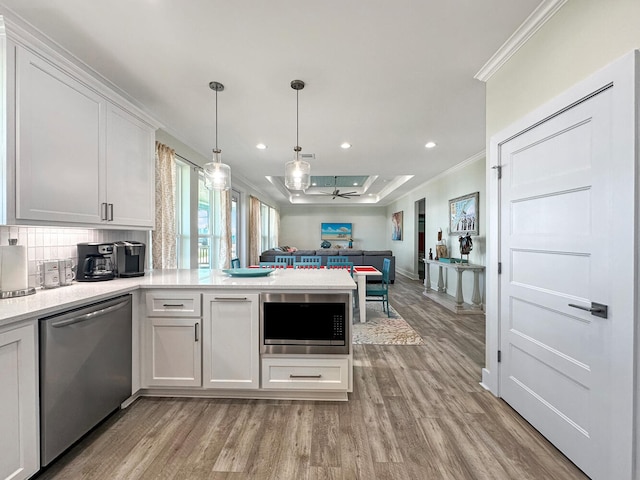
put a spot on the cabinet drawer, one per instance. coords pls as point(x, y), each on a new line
point(305, 374)
point(173, 304)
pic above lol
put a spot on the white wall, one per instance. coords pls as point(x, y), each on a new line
point(300, 225)
point(467, 177)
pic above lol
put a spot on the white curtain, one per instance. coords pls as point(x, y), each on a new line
point(163, 238)
point(225, 231)
point(254, 231)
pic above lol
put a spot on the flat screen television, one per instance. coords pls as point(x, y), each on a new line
point(336, 231)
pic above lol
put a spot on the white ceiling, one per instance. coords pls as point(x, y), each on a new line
point(385, 76)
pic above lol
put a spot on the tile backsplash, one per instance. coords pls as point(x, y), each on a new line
point(46, 243)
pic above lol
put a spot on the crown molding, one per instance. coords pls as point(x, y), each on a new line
point(541, 15)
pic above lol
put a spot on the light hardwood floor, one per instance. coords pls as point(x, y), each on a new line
point(417, 412)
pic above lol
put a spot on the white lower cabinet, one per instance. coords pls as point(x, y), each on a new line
point(172, 340)
point(231, 341)
point(305, 373)
point(19, 402)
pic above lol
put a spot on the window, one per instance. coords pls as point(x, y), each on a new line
point(268, 227)
point(183, 224)
point(209, 226)
point(235, 224)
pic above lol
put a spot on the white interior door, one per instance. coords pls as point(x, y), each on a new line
point(556, 226)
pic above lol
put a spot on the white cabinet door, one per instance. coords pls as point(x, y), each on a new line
point(231, 341)
point(130, 170)
point(19, 403)
point(172, 352)
point(58, 144)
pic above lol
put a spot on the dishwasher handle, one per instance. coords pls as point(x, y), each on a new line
point(90, 315)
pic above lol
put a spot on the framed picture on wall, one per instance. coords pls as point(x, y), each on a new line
point(396, 223)
point(463, 215)
point(335, 231)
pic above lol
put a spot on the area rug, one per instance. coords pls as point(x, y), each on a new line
point(381, 330)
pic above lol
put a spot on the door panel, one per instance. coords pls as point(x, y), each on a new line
point(556, 215)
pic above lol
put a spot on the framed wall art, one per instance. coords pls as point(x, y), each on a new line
point(396, 223)
point(463, 215)
point(335, 231)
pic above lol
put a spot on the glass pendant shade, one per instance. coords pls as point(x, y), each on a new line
point(217, 174)
point(297, 174)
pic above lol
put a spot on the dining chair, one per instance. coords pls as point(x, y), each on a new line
point(286, 259)
point(308, 262)
point(340, 264)
point(235, 263)
point(380, 292)
point(337, 259)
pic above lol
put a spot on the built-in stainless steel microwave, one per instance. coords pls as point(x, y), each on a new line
point(295, 323)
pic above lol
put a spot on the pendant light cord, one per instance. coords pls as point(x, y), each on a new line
point(216, 120)
point(297, 120)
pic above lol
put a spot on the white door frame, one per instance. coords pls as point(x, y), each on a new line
point(623, 74)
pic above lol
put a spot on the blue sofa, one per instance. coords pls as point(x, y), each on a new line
point(358, 257)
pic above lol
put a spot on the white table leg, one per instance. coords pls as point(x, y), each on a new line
point(427, 278)
point(476, 299)
point(362, 297)
point(440, 280)
point(459, 299)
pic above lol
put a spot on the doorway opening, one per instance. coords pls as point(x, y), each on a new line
point(420, 243)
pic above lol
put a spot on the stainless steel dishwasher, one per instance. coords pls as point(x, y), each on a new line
point(85, 371)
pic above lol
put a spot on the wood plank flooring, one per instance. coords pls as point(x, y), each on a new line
point(417, 412)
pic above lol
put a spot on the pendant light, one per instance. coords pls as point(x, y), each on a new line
point(297, 172)
point(217, 175)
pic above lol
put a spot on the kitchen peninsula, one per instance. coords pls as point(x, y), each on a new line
point(194, 333)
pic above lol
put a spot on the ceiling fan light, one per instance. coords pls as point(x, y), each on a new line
point(297, 175)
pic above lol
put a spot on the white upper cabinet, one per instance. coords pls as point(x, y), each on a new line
point(58, 133)
point(74, 153)
point(130, 176)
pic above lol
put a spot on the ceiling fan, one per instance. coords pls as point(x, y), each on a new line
point(336, 192)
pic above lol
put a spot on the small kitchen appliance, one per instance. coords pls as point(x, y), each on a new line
point(95, 262)
point(130, 257)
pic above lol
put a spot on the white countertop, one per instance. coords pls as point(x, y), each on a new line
point(46, 302)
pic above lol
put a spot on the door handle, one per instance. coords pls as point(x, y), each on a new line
point(103, 211)
point(197, 328)
point(597, 309)
point(110, 212)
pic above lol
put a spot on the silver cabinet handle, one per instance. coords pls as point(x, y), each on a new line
point(110, 212)
point(173, 304)
point(597, 309)
point(230, 299)
point(305, 376)
point(103, 211)
point(197, 327)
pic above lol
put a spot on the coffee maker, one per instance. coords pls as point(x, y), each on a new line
point(130, 258)
point(95, 262)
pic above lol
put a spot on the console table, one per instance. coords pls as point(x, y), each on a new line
point(440, 296)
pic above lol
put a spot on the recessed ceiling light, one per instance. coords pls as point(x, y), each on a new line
point(314, 184)
point(430, 144)
point(261, 146)
point(355, 184)
point(345, 145)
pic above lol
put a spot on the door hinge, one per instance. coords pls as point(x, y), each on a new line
point(499, 356)
point(499, 169)
point(499, 268)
